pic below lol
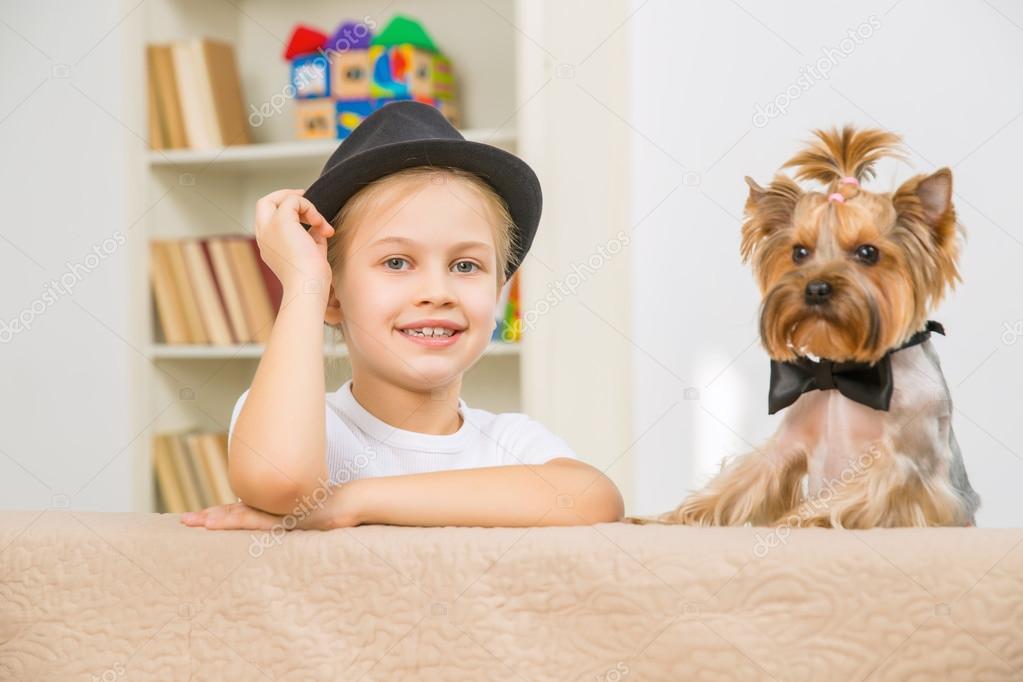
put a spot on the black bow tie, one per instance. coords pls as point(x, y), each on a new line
point(869, 385)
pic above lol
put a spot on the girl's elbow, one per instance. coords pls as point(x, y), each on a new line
point(607, 505)
point(270, 486)
point(601, 500)
point(267, 490)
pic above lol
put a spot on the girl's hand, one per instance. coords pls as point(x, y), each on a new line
point(237, 516)
point(295, 255)
point(338, 509)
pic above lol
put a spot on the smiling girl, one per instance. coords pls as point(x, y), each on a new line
point(426, 228)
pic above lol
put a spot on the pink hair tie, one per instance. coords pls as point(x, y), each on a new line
point(850, 180)
point(836, 197)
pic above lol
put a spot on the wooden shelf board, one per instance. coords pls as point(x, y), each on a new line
point(284, 155)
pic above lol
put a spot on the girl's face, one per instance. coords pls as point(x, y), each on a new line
point(418, 285)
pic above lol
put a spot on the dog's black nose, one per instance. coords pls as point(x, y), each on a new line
point(817, 291)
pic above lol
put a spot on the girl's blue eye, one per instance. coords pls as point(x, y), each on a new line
point(397, 262)
point(469, 263)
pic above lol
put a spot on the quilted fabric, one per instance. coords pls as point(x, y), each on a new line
point(122, 596)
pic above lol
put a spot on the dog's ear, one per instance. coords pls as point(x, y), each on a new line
point(923, 206)
point(756, 192)
point(928, 199)
point(767, 211)
point(935, 194)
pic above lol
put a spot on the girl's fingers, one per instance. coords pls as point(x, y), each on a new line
point(277, 196)
point(301, 207)
point(198, 518)
point(312, 216)
point(321, 233)
point(194, 518)
point(267, 205)
point(236, 516)
point(217, 516)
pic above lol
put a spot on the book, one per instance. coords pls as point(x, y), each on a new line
point(229, 288)
point(190, 470)
point(167, 114)
point(188, 485)
point(166, 477)
point(157, 134)
point(215, 290)
point(211, 307)
point(169, 307)
point(213, 456)
point(192, 443)
point(191, 96)
point(218, 62)
point(258, 309)
point(187, 295)
point(195, 95)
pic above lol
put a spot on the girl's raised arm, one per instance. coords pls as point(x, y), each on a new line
point(278, 445)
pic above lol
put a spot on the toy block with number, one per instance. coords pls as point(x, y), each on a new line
point(314, 119)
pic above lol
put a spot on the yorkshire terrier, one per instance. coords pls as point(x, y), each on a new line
point(847, 277)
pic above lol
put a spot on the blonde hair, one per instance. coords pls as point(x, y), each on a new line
point(369, 197)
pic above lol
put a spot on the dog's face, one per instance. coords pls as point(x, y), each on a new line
point(846, 273)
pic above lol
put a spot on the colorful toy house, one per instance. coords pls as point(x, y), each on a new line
point(340, 80)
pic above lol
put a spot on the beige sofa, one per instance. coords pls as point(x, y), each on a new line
point(113, 596)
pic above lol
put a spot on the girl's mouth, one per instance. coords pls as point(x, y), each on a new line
point(432, 337)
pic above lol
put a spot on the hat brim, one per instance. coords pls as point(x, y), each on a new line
point(509, 175)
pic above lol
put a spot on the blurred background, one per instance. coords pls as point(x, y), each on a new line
point(137, 135)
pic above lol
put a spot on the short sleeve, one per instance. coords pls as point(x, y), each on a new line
point(234, 416)
point(527, 441)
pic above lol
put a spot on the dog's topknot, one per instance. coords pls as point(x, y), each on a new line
point(847, 153)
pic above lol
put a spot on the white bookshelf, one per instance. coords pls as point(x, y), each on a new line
point(276, 156)
point(203, 193)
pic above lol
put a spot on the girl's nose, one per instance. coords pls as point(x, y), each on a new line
point(436, 286)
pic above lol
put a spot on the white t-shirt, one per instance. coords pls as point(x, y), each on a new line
point(359, 445)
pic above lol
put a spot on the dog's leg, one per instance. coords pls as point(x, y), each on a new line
point(893, 491)
point(751, 488)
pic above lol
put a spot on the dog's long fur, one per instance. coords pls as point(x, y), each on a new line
point(835, 462)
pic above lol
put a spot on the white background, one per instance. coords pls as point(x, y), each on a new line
point(945, 75)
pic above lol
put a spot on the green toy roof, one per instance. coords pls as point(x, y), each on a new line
point(401, 30)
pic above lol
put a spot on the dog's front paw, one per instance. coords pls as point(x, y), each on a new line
point(695, 510)
point(640, 520)
point(804, 516)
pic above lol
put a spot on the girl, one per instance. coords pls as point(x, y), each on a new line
point(409, 270)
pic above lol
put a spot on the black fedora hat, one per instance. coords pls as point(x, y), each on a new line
point(407, 133)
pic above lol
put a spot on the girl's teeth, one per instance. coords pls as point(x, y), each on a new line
point(429, 331)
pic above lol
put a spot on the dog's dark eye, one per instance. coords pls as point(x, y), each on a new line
point(867, 253)
point(800, 253)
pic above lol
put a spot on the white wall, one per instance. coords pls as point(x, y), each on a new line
point(576, 368)
point(946, 75)
point(68, 429)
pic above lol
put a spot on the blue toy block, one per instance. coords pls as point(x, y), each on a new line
point(310, 76)
point(351, 113)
